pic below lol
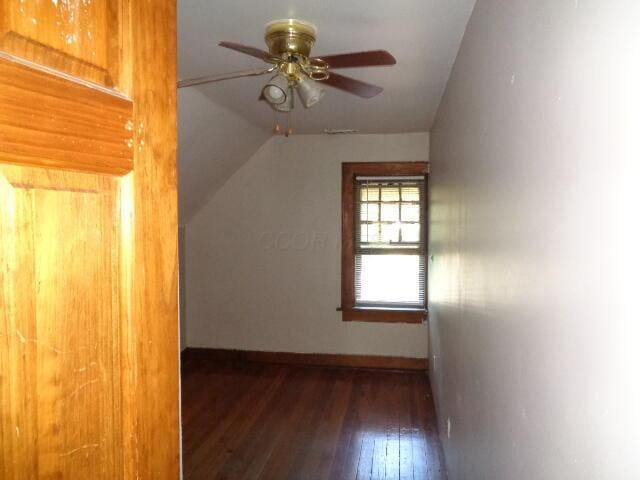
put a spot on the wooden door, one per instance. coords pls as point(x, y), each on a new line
point(88, 219)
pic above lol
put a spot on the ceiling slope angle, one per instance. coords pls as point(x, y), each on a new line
point(213, 143)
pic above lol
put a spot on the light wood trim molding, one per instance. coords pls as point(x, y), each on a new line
point(310, 359)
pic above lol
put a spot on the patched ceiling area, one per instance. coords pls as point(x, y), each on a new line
point(222, 124)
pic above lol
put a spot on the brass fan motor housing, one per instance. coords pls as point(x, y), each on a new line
point(290, 37)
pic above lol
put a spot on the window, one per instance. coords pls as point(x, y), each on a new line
point(384, 241)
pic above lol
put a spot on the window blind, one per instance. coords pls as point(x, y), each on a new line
point(389, 242)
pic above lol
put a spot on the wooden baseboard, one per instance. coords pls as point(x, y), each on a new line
point(312, 359)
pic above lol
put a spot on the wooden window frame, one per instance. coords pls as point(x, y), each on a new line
point(351, 313)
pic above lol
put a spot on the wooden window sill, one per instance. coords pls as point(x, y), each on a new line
point(383, 315)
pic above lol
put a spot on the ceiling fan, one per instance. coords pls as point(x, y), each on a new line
point(290, 42)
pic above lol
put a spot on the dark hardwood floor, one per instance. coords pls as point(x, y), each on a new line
point(266, 421)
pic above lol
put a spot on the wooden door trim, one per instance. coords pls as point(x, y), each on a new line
point(154, 301)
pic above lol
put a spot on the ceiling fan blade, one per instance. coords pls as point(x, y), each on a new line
point(351, 85)
point(253, 51)
point(224, 76)
point(371, 58)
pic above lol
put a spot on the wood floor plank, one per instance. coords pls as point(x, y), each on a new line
point(406, 432)
point(217, 408)
point(397, 392)
point(324, 441)
point(252, 454)
point(256, 421)
point(229, 434)
point(345, 461)
point(367, 430)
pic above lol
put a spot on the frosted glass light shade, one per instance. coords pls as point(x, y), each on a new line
point(277, 90)
point(310, 92)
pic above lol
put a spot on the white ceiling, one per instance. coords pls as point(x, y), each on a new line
point(423, 35)
point(222, 125)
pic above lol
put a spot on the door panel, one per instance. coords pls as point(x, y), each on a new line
point(88, 252)
point(52, 121)
point(83, 38)
point(61, 301)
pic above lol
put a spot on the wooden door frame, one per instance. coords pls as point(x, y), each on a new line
point(154, 350)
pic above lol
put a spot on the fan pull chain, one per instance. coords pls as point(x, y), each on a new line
point(289, 131)
point(276, 129)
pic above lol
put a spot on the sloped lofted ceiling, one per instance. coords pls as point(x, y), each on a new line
point(222, 124)
point(213, 142)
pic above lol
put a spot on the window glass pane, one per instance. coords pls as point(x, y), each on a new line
point(387, 279)
point(369, 212)
point(390, 232)
point(371, 194)
point(410, 194)
point(390, 194)
point(389, 212)
point(410, 212)
point(383, 218)
point(411, 232)
point(369, 233)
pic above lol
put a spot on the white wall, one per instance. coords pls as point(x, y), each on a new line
point(213, 142)
point(534, 236)
point(263, 256)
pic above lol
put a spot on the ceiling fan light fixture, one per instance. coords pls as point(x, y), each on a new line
point(310, 92)
point(289, 43)
point(287, 105)
point(276, 91)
